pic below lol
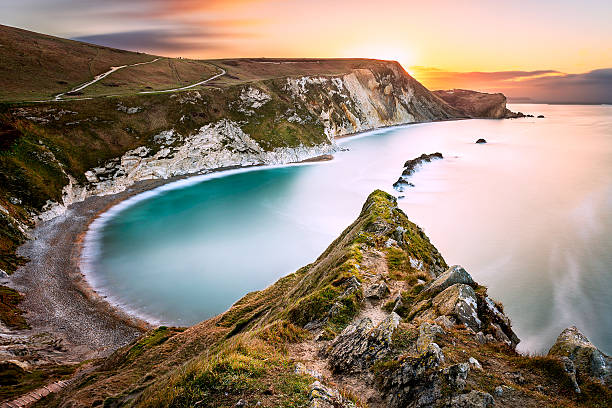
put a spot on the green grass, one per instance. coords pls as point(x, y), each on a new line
point(10, 314)
point(15, 381)
point(242, 368)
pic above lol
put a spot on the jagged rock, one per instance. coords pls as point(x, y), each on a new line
point(445, 322)
point(360, 344)
point(455, 274)
point(570, 369)
point(473, 399)
point(410, 167)
point(481, 141)
point(322, 396)
point(474, 363)
point(377, 291)
point(587, 359)
point(427, 335)
point(480, 338)
point(459, 300)
point(500, 335)
point(302, 369)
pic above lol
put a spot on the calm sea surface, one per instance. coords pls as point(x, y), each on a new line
point(529, 215)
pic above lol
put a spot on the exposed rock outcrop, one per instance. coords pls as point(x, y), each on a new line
point(588, 359)
point(411, 166)
point(477, 104)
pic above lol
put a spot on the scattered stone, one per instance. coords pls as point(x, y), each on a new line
point(473, 399)
point(445, 321)
point(302, 369)
point(459, 300)
point(360, 344)
point(377, 291)
point(241, 403)
point(455, 274)
point(481, 141)
point(474, 363)
point(128, 110)
point(480, 338)
point(570, 369)
point(427, 335)
point(540, 388)
point(499, 391)
point(322, 396)
point(587, 359)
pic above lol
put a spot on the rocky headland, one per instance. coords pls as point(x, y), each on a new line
point(64, 161)
point(378, 320)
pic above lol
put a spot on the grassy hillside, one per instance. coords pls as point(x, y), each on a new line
point(313, 317)
point(37, 66)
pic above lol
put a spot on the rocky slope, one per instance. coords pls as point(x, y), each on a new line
point(378, 320)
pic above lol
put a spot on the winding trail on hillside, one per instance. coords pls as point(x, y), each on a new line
point(97, 78)
point(188, 86)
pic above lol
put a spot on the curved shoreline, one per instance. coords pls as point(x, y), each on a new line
point(61, 299)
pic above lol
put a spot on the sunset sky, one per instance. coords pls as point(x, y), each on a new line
point(546, 50)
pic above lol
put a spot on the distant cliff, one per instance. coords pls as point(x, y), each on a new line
point(477, 104)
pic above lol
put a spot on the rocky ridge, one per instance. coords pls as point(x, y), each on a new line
point(432, 338)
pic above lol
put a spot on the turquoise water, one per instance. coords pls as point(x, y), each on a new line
point(529, 214)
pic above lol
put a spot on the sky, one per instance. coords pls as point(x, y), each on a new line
point(559, 51)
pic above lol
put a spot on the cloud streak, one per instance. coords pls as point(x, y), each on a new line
point(537, 86)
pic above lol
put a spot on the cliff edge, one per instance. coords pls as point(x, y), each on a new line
point(378, 320)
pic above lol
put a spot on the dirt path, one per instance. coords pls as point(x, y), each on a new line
point(100, 77)
point(188, 86)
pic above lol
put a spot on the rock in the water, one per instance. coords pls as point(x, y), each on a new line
point(410, 167)
point(360, 345)
point(454, 274)
point(377, 291)
point(459, 300)
point(473, 399)
point(586, 357)
point(481, 141)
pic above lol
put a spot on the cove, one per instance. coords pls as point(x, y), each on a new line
point(529, 214)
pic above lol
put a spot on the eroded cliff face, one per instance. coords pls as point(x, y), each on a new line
point(276, 121)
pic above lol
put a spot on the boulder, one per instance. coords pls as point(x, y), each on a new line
point(427, 335)
point(473, 399)
point(588, 360)
point(455, 274)
point(322, 396)
point(540, 116)
point(481, 141)
point(377, 291)
point(360, 344)
point(459, 300)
